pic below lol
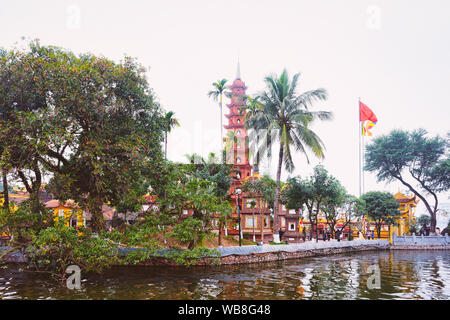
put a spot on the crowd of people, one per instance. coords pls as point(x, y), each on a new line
point(327, 235)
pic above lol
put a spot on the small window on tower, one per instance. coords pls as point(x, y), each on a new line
point(238, 120)
point(238, 132)
point(238, 160)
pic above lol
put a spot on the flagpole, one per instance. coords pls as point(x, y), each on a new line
point(360, 127)
point(363, 157)
point(359, 146)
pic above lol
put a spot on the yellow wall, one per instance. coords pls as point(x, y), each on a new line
point(69, 212)
point(14, 208)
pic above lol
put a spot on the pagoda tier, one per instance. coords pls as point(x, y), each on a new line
point(233, 126)
point(233, 115)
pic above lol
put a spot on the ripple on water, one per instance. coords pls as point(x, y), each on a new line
point(404, 275)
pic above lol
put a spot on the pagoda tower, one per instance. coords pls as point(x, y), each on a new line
point(238, 152)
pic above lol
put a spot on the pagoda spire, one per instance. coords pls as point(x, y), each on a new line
point(238, 72)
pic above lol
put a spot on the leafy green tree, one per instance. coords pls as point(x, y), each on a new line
point(22, 98)
point(219, 174)
point(102, 136)
point(92, 123)
point(381, 207)
point(319, 190)
point(24, 223)
point(419, 162)
point(321, 187)
point(424, 221)
point(352, 208)
point(284, 117)
point(264, 189)
point(57, 247)
point(265, 186)
point(333, 203)
point(199, 196)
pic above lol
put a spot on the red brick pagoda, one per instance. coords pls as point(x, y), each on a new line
point(254, 221)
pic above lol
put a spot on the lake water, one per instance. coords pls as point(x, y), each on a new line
point(403, 275)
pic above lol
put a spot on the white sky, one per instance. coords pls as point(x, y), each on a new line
point(394, 54)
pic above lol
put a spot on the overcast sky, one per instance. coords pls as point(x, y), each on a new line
point(394, 54)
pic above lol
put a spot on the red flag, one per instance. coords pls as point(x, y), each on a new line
point(366, 114)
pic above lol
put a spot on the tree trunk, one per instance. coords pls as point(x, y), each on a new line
point(165, 147)
point(276, 227)
point(5, 190)
point(221, 120)
point(253, 224)
point(220, 233)
point(95, 209)
point(36, 187)
point(427, 205)
point(378, 230)
point(261, 214)
point(350, 232)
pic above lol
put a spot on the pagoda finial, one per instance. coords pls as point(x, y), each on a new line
point(238, 73)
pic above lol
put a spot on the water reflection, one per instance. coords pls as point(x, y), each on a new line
point(404, 275)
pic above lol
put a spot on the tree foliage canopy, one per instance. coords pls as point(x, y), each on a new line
point(381, 207)
point(92, 123)
point(419, 162)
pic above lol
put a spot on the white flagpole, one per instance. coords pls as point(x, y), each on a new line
point(363, 157)
point(359, 137)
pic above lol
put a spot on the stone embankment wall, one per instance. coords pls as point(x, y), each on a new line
point(421, 241)
point(419, 247)
point(266, 253)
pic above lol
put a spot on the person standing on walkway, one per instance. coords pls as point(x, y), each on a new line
point(373, 235)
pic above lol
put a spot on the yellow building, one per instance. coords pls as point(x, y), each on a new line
point(407, 218)
point(402, 224)
point(69, 211)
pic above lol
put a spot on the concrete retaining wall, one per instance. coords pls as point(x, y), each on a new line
point(266, 253)
point(420, 241)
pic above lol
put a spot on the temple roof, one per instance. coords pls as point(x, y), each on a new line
point(254, 176)
point(401, 198)
point(57, 203)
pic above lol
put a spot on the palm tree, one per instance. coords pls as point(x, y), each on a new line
point(252, 108)
point(284, 117)
point(231, 141)
point(217, 95)
point(170, 121)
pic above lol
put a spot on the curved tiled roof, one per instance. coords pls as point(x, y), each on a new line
point(57, 203)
